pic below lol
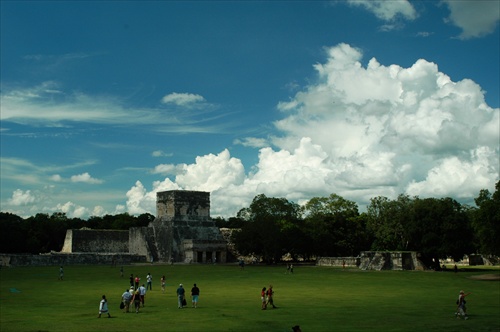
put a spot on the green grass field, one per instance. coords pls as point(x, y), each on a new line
point(316, 298)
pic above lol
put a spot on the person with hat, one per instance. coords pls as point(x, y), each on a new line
point(461, 309)
point(180, 296)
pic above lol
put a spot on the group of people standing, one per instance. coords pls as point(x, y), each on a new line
point(266, 297)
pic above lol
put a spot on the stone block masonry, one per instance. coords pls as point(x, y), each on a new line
point(98, 241)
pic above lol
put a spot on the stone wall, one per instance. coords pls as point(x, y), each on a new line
point(390, 260)
point(377, 260)
point(338, 261)
point(141, 242)
point(61, 259)
point(96, 241)
point(183, 205)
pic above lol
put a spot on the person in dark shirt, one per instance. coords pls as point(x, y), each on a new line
point(195, 293)
point(180, 296)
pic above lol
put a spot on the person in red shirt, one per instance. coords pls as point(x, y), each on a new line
point(263, 298)
point(270, 294)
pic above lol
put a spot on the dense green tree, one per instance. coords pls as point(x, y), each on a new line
point(334, 227)
point(264, 232)
point(387, 222)
point(486, 221)
point(13, 234)
point(439, 228)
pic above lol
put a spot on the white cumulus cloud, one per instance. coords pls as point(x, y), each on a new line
point(182, 99)
point(360, 132)
point(86, 178)
point(20, 197)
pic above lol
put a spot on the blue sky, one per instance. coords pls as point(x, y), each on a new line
point(105, 103)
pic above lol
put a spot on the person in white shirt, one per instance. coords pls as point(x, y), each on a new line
point(103, 307)
point(142, 293)
point(149, 279)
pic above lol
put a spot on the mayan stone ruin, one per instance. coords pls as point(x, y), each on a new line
point(182, 231)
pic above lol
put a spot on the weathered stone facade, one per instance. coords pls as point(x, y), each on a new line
point(100, 241)
point(182, 231)
point(378, 260)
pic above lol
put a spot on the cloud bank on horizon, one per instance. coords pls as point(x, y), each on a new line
point(359, 129)
point(392, 130)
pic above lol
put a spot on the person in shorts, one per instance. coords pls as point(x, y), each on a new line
point(195, 293)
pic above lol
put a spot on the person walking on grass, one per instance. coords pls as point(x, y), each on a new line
point(103, 307)
point(136, 299)
point(61, 273)
point(126, 298)
point(180, 296)
point(195, 293)
point(263, 298)
point(462, 309)
point(149, 279)
point(142, 292)
point(162, 282)
point(270, 294)
point(137, 280)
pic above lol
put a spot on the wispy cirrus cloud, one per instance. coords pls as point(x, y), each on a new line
point(387, 10)
point(47, 104)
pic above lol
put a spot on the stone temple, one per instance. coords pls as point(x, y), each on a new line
point(182, 231)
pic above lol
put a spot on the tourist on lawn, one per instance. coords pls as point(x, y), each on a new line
point(137, 280)
point(61, 273)
point(270, 294)
point(142, 293)
point(103, 307)
point(162, 281)
point(461, 309)
point(131, 278)
point(136, 299)
point(126, 298)
point(149, 279)
point(263, 298)
point(195, 293)
point(180, 296)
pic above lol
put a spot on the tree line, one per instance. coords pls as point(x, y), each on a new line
point(331, 226)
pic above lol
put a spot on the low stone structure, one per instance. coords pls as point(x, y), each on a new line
point(377, 260)
point(338, 261)
point(64, 259)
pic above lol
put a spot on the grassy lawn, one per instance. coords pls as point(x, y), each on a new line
point(316, 298)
